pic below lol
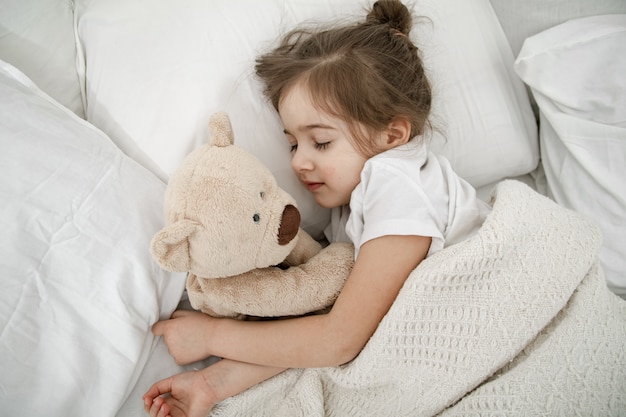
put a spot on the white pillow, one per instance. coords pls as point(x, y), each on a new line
point(156, 71)
point(576, 71)
point(489, 130)
point(522, 19)
point(37, 36)
point(79, 288)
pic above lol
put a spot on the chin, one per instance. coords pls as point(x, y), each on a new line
point(326, 203)
point(323, 204)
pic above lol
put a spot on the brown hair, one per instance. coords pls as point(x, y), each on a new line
point(366, 73)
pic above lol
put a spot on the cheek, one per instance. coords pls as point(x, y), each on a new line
point(335, 175)
point(354, 169)
point(330, 170)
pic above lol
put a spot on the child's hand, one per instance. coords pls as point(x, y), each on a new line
point(185, 335)
point(190, 396)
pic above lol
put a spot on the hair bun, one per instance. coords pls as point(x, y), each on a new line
point(392, 13)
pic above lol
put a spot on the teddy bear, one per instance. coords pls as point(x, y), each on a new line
point(237, 234)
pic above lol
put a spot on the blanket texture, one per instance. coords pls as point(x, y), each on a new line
point(515, 321)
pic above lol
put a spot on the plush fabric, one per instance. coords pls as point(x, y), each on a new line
point(515, 321)
point(229, 225)
point(59, 357)
point(79, 288)
point(576, 73)
point(153, 79)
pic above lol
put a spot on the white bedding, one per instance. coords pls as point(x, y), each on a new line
point(577, 73)
point(152, 83)
point(81, 204)
point(80, 290)
point(515, 321)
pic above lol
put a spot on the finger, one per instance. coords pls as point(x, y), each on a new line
point(158, 329)
point(164, 411)
point(148, 399)
point(156, 407)
point(159, 388)
point(181, 313)
point(147, 403)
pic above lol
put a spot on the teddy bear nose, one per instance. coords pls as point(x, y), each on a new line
point(289, 225)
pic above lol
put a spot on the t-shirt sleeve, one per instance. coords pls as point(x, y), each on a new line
point(388, 202)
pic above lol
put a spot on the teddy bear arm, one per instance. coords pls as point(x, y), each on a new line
point(306, 248)
point(274, 292)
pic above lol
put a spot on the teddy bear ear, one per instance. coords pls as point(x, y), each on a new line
point(170, 247)
point(221, 130)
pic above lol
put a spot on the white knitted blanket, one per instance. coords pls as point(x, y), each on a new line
point(515, 321)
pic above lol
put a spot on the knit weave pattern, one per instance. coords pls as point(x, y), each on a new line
point(515, 321)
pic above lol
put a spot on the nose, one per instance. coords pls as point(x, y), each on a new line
point(300, 161)
point(289, 225)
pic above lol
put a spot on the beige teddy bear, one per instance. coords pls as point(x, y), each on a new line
point(236, 232)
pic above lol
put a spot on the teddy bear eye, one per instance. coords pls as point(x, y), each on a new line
point(256, 217)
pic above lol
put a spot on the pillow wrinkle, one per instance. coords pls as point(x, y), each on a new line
point(80, 288)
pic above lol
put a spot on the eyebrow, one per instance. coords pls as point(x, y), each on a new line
point(310, 127)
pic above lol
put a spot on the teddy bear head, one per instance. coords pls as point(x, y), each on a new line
point(224, 212)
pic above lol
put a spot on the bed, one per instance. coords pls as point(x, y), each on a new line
point(100, 100)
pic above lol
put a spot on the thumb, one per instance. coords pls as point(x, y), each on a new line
point(159, 328)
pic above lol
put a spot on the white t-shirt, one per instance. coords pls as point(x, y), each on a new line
point(408, 190)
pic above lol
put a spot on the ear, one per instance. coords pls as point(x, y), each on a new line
point(221, 130)
point(170, 246)
point(398, 132)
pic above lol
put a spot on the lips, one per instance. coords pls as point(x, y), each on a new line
point(312, 186)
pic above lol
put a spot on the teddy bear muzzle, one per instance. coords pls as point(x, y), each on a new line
point(289, 225)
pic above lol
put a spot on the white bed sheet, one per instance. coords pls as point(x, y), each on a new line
point(80, 289)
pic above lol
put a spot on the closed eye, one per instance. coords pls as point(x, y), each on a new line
point(322, 145)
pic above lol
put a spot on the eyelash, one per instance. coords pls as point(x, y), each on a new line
point(318, 146)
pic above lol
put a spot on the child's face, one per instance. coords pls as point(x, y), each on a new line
point(323, 157)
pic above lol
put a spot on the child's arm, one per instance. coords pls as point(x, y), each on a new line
point(195, 393)
point(331, 339)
